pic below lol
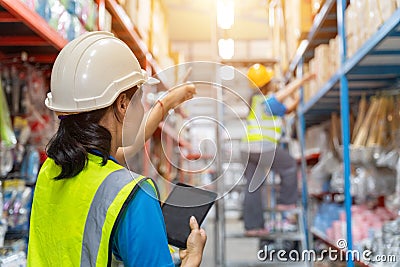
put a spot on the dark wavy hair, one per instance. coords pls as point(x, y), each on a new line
point(79, 134)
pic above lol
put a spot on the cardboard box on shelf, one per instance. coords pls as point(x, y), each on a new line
point(374, 18)
point(144, 20)
point(284, 61)
point(360, 20)
point(312, 85)
point(352, 44)
point(306, 93)
point(280, 41)
point(306, 86)
point(316, 6)
point(298, 19)
point(298, 13)
point(292, 43)
point(132, 9)
point(322, 61)
point(350, 21)
point(386, 8)
point(334, 55)
point(363, 18)
point(159, 38)
point(306, 18)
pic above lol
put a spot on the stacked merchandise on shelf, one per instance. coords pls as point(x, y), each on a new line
point(316, 6)
point(363, 18)
point(277, 28)
point(22, 93)
point(298, 21)
point(375, 178)
point(70, 18)
point(150, 20)
point(359, 13)
point(324, 64)
point(288, 23)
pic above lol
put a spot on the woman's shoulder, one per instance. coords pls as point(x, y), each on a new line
point(148, 186)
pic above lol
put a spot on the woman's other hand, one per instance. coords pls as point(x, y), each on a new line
point(192, 255)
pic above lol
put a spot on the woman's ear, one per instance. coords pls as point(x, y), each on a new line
point(121, 106)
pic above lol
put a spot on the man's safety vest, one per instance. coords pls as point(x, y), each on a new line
point(261, 126)
point(73, 220)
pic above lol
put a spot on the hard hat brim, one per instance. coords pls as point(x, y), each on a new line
point(152, 81)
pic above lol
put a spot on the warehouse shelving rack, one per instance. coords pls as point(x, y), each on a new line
point(26, 37)
point(23, 30)
point(126, 31)
point(373, 68)
point(324, 28)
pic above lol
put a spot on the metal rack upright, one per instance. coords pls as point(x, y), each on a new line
point(373, 68)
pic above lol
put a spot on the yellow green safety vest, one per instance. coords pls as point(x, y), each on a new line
point(73, 220)
point(260, 126)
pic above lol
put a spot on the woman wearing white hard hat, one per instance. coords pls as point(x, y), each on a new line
point(87, 208)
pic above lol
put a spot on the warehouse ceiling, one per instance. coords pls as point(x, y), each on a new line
point(193, 20)
point(192, 23)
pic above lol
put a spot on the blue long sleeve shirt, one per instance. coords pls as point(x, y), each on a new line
point(141, 238)
point(274, 107)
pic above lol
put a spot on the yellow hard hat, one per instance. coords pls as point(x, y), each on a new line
point(260, 75)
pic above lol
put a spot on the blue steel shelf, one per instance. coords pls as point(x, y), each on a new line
point(374, 67)
point(324, 28)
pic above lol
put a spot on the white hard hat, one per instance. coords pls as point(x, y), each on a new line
point(91, 71)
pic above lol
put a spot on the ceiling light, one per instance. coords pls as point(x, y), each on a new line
point(225, 13)
point(226, 48)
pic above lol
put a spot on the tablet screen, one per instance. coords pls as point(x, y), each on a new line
point(183, 202)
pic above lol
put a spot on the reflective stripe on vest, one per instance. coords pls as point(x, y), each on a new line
point(73, 220)
point(260, 126)
point(102, 201)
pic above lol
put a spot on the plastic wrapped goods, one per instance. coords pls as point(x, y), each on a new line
point(7, 134)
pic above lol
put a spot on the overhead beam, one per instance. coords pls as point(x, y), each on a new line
point(6, 17)
point(22, 41)
point(35, 22)
point(31, 57)
point(44, 59)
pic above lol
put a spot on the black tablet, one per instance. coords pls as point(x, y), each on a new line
point(183, 202)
